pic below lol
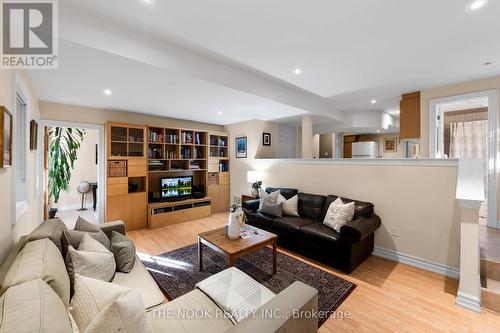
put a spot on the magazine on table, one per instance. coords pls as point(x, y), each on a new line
point(249, 231)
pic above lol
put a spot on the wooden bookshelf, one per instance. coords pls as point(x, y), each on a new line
point(126, 176)
point(218, 183)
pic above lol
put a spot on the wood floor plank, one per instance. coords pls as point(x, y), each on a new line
point(390, 297)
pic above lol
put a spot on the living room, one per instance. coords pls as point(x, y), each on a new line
point(253, 174)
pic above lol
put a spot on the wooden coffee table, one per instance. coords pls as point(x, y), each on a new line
point(218, 241)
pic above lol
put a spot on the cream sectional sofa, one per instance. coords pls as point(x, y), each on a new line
point(35, 294)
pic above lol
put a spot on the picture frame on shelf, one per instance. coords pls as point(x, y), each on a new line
point(6, 137)
point(266, 139)
point(390, 145)
point(241, 147)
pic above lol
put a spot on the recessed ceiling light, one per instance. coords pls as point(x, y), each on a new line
point(373, 101)
point(378, 131)
point(147, 1)
point(476, 4)
point(219, 113)
point(297, 71)
point(107, 92)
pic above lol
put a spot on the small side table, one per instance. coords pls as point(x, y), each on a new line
point(246, 197)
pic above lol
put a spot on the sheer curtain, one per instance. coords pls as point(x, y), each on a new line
point(469, 139)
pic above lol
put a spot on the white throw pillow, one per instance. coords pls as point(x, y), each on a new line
point(92, 259)
point(339, 214)
point(271, 198)
point(103, 307)
point(290, 206)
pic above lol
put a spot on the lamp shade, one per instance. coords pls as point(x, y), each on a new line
point(253, 176)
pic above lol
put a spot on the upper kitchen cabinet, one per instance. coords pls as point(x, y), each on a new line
point(410, 116)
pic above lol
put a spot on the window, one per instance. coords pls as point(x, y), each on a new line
point(20, 155)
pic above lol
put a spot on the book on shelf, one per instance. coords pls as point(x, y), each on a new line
point(197, 138)
point(172, 138)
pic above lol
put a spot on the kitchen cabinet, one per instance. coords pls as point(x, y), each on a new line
point(410, 116)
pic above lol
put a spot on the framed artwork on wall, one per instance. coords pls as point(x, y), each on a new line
point(266, 139)
point(5, 137)
point(241, 147)
point(390, 145)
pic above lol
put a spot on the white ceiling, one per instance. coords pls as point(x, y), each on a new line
point(85, 72)
point(350, 52)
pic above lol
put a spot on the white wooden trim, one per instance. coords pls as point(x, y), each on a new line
point(468, 301)
point(101, 202)
point(374, 161)
point(493, 106)
point(425, 264)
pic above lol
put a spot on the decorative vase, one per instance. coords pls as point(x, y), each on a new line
point(233, 228)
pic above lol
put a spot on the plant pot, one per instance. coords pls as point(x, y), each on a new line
point(233, 228)
point(52, 213)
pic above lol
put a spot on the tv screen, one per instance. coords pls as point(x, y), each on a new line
point(176, 187)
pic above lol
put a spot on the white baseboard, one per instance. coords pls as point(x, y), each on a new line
point(407, 259)
point(468, 302)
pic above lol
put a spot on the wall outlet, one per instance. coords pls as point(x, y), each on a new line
point(395, 231)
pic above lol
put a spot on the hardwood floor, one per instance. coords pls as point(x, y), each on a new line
point(390, 297)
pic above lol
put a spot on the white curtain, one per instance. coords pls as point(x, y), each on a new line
point(469, 139)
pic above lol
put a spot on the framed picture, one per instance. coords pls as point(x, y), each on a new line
point(266, 139)
point(33, 134)
point(390, 145)
point(5, 137)
point(241, 147)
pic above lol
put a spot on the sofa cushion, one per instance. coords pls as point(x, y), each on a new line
point(140, 279)
point(235, 292)
point(91, 259)
point(51, 229)
point(33, 306)
point(82, 227)
point(320, 234)
point(275, 210)
point(290, 223)
point(11, 257)
point(286, 192)
point(259, 219)
point(290, 206)
point(270, 198)
point(39, 259)
point(338, 214)
point(168, 317)
point(99, 306)
point(361, 208)
point(124, 251)
point(311, 205)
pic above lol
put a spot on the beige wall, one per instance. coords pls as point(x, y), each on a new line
point(10, 233)
point(85, 170)
point(428, 220)
point(71, 113)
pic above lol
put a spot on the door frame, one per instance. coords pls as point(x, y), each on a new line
point(492, 96)
point(101, 202)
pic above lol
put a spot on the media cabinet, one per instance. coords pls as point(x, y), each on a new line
point(138, 156)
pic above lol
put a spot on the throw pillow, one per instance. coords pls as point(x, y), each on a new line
point(271, 198)
point(81, 227)
point(339, 214)
point(91, 259)
point(99, 306)
point(290, 206)
point(275, 209)
point(124, 251)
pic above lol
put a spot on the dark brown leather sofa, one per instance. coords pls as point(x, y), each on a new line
point(307, 235)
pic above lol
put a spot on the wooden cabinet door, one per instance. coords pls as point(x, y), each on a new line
point(224, 198)
point(136, 211)
point(114, 208)
point(410, 116)
point(348, 140)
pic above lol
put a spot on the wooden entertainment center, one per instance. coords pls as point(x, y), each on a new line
point(139, 156)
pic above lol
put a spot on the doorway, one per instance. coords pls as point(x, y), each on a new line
point(465, 127)
point(82, 192)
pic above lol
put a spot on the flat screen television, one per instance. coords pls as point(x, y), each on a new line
point(176, 188)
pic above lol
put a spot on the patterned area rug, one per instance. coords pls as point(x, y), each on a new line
point(177, 273)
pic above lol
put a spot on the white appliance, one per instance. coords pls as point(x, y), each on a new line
point(365, 149)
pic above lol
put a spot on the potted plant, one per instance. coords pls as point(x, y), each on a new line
point(256, 187)
point(64, 143)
